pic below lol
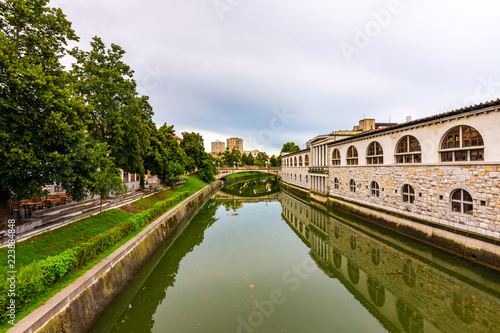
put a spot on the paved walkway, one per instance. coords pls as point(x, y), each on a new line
point(55, 217)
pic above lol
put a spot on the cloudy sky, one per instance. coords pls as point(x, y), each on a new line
point(276, 71)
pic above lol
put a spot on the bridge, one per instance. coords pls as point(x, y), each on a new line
point(223, 172)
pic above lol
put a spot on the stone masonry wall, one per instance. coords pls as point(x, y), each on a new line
point(433, 186)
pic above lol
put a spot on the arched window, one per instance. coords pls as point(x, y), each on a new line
point(337, 258)
point(461, 202)
point(336, 183)
point(295, 177)
point(410, 319)
point(336, 157)
point(300, 161)
point(408, 150)
point(408, 194)
point(376, 290)
point(295, 161)
point(462, 143)
point(300, 178)
point(352, 156)
point(353, 272)
point(352, 185)
point(307, 179)
point(306, 160)
point(375, 154)
point(375, 189)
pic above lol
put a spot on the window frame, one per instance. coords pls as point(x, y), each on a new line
point(461, 150)
point(352, 186)
point(336, 157)
point(408, 156)
point(461, 202)
point(407, 195)
point(374, 153)
point(352, 156)
point(375, 189)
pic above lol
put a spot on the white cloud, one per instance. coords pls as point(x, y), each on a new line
point(224, 78)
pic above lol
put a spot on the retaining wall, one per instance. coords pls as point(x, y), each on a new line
point(75, 308)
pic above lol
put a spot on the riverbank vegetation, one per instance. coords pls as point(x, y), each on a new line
point(48, 262)
point(76, 126)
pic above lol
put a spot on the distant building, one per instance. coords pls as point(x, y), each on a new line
point(254, 152)
point(218, 147)
point(236, 143)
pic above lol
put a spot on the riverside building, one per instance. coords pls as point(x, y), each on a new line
point(443, 169)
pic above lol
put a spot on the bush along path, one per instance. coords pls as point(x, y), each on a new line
point(51, 261)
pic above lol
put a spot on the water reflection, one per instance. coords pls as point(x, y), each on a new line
point(407, 286)
point(253, 188)
point(201, 283)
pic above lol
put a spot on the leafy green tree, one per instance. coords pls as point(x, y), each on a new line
point(274, 161)
point(248, 159)
point(233, 157)
point(106, 180)
point(208, 171)
point(261, 159)
point(115, 113)
point(41, 131)
point(193, 145)
point(166, 158)
point(290, 147)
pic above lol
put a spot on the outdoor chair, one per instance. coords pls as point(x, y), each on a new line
point(14, 208)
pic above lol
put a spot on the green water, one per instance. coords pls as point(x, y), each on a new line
point(272, 263)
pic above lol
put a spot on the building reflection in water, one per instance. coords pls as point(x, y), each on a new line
point(407, 287)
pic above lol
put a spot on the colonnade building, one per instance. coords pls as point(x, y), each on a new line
point(444, 169)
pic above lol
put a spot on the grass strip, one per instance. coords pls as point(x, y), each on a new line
point(73, 250)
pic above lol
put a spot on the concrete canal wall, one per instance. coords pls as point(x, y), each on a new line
point(477, 248)
point(75, 308)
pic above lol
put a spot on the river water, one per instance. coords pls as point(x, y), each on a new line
point(256, 259)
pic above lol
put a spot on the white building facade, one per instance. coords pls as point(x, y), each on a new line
point(444, 169)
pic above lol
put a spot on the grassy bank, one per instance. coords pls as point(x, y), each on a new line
point(249, 180)
point(242, 174)
point(52, 260)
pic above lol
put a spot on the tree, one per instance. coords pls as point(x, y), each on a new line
point(106, 179)
point(248, 159)
point(193, 145)
point(274, 161)
point(115, 113)
point(261, 159)
point(41, 129)
point(208, 171)
point(166, 158)
point(233, 157)
point(290, 147)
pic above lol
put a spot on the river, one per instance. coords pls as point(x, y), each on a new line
point(256, 259)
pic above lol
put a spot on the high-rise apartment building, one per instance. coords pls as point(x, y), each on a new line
point(236, 143)
point(218, 147)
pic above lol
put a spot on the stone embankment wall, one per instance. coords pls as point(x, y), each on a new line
point(75, 308)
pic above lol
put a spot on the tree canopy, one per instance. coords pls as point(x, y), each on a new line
point(290, 147)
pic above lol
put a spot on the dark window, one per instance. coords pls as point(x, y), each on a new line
point(336, 157)
point(352, 156)
point(461, 202)
point(352, 185)
point(457, 143)
point(408, 194)
point(408, 150)
point(375, 154)
point(375, 189)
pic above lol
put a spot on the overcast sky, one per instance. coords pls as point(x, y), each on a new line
point(276, 71)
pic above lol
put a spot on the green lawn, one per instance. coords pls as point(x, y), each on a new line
point(69, 236)
point(243, 174)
